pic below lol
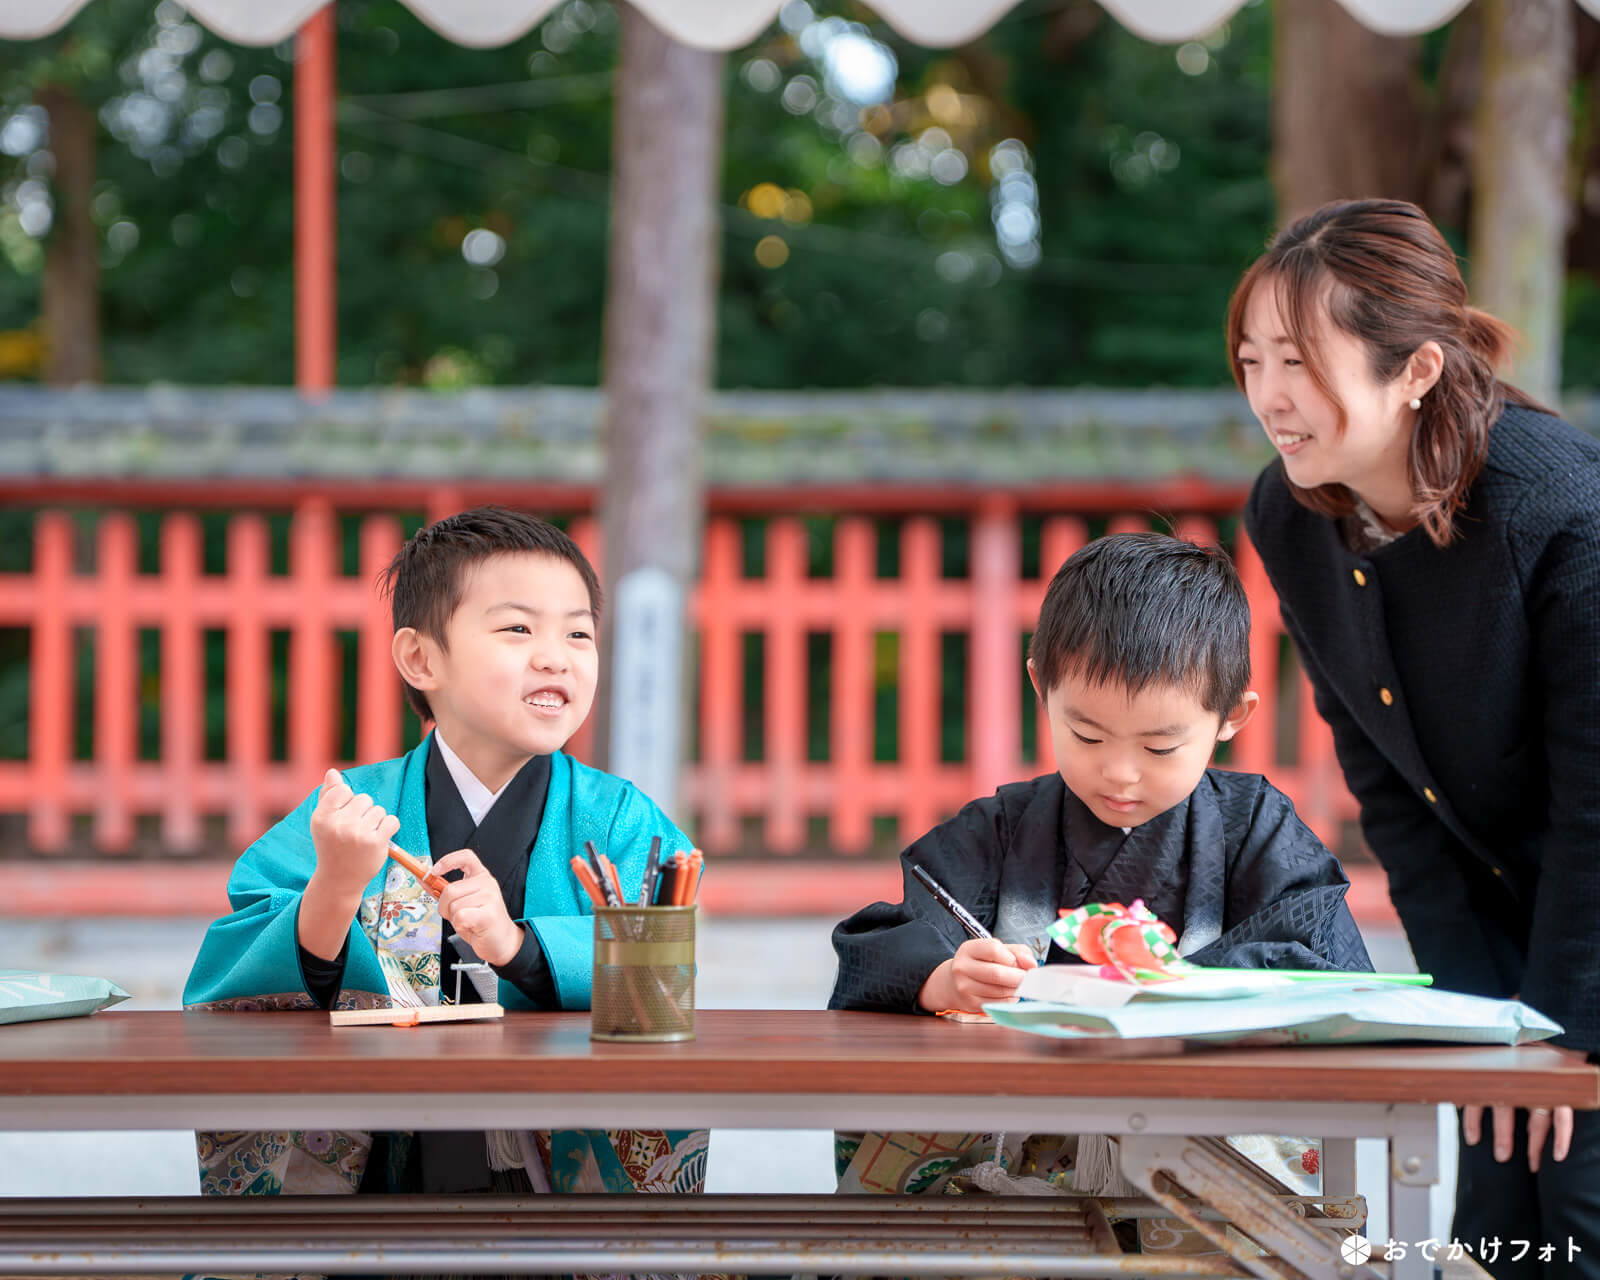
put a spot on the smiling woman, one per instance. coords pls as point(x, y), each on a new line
point(1434, 539)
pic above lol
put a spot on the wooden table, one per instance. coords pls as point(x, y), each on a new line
point(756, 1069)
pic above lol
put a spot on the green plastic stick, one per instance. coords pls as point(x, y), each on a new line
point(1338, 975)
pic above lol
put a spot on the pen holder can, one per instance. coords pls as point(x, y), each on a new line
point(643, 974)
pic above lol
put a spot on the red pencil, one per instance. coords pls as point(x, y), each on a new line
point(591, 886)
point(430, 881)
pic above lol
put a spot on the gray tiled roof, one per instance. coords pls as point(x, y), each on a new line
point(551, 434)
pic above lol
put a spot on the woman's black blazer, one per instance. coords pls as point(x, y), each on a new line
point(1462, 684)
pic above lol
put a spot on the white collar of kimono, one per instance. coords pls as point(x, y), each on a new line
point(477, 797)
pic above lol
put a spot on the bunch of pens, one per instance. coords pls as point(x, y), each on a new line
point(643, 986)
point(668, 882)
point(671, 882)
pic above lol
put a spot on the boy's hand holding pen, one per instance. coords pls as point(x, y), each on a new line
point(350, 833)
point(352, 837)
point(982, 969)
point(475, 906)
point(345, 804)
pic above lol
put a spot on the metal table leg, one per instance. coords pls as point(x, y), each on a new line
point(1413, 1171)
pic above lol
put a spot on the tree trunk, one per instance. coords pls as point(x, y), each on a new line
point(1452, 127)
point(70, 302)
point(667, 146)
point(1520, 198)
point(1346, 109)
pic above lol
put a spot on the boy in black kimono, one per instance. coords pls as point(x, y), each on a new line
point(1141, 658)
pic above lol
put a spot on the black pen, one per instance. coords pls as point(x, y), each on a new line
point(941, 895)
point(652, 870)
point(606, 887)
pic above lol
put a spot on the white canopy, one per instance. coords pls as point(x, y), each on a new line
point(726, 24)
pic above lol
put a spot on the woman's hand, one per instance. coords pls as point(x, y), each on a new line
point(1542, 1121)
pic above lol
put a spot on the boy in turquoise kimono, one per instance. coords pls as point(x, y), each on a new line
point(495, 619)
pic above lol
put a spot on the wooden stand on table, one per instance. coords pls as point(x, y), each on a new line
point(414, 1017)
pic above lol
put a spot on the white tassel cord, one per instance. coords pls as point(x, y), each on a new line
point(504, 1149)
point(402, 995)
point(516, 1149)
point(990, 1177)
point(1098, 1169)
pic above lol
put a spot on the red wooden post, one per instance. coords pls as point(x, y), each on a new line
point(590, 537)
point(315, 207)
point(116, 683)
point(1060, 537)
point(1319, 776)
point(442, 502)
point(785, 684)
point(1256, 748)
point(50, 697)
point(249, 678)
point(311, 686)
point(993, 707)
point(1196, 528)
point(182, 682)
point(721, 671)
point(850, 763)
point(919, 677)
point(378, 691)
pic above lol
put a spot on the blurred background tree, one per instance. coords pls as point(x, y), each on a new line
point(1060, 202)
point(1054, 204)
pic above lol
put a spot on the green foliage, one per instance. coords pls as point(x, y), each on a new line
point(474, 198)
point(194, 204)
point(1580, 349)
point(883, 274)
point(1154, 196)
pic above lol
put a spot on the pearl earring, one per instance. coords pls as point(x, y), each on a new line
point(1416, 403)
